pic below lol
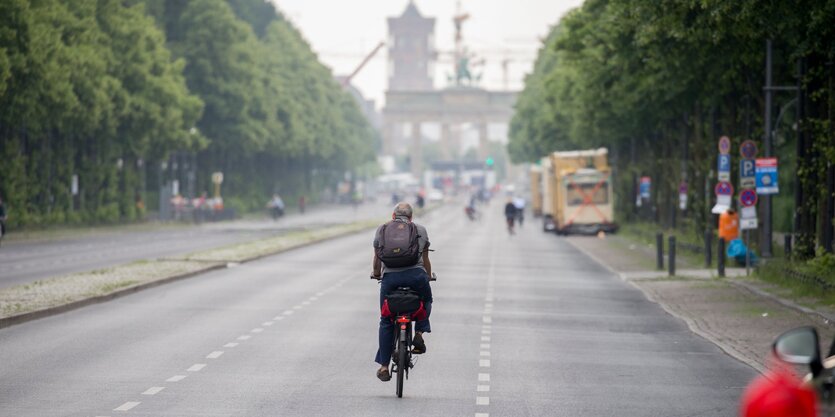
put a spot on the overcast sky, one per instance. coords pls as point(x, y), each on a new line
point(342, 32)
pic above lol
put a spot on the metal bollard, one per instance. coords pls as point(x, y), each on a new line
point(787, 245)
point(672, 254)
point(720, 257)
point(659, 250)
point(708, 248)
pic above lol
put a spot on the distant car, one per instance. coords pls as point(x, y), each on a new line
point(435, 194)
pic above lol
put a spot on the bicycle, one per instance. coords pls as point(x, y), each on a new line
point(401, 361)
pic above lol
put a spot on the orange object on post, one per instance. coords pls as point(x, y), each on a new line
point(729, 225)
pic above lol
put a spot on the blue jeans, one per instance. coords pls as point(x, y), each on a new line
point(417, 280)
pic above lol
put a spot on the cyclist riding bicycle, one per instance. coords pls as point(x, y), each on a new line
point(413, 272)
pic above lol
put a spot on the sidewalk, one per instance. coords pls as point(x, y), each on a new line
point(740, 315)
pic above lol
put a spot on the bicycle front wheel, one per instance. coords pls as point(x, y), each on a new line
point(401, 365)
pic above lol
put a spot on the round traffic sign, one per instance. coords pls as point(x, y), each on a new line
point(748, 149)
point(724, 145)
point(724, 188)
point(748, 198)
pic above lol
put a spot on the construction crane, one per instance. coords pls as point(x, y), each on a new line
point(347, 80)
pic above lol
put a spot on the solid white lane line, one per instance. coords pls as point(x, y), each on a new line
point(153, 390)
point(214, 355)
point(257, 330)
point(484, 363)
point(483, 388)
point(484, 346)
point(267, 323)
point(126, 406)
point(176, 378)
point(230, 345)
point(244, 337)
point(484, 377)
point(482, 400)
point(196, 367)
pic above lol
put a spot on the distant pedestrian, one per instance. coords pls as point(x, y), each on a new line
point(3, 217)
point(519, 203)
point(510, 215)
point(301, 204)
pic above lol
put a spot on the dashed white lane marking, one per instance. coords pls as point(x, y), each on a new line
point(267, 323)
point(306, 302)
point(320, 293)
point(288, 312)
point(482, 415)
point(244, 337)
point(482, 400)
point(487, 319)
point(257, 330)
point(484, 377)
point(153, 390)
point(485, 346)
point(126, 406)
point(176, 378)
point(485, 338)
point(488, 305)
point(483, 388)
point(196, 367)
point(486, 331)
point(230, 345)
point(297, 307)
point(214, 355)
point(277, 318)
point(485, 353)
point(314, 298)
point(484, 363)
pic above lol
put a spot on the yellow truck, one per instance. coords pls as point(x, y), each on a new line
point(577, 193)
point(536, 190)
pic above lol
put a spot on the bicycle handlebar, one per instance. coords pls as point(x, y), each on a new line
point(434, 277)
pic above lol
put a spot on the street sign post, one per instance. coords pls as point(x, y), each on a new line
point(646, 183)
point(747, 173)
point(682, 196)
point(724, 192)
point(748, 198)
point(724, 145)
point(748, 149)
point(766, 176)
point(724, 167)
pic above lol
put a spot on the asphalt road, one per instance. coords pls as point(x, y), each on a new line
point(22, 261)
point(522, 326)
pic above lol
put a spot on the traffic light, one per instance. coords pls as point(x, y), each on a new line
point(489, 161)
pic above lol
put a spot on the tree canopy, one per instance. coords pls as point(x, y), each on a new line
point(107, 91)
point(657, 82)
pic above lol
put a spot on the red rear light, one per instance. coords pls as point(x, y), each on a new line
point(403, 319)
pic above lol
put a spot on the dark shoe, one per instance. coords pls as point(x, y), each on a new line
point(383, 375)
point(418, 345)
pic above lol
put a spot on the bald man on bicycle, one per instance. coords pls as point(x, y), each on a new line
point(401, 258)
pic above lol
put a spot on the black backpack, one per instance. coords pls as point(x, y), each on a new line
point(398, 246)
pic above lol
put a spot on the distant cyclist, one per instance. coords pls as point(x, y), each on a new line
point(510, 215)
point(404, 243)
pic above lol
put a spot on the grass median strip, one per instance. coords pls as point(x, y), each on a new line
point(41, 298)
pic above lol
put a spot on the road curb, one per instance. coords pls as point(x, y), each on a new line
point(58, 309)
point(692, 325)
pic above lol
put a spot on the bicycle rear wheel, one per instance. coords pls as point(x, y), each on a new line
point(401, 366)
